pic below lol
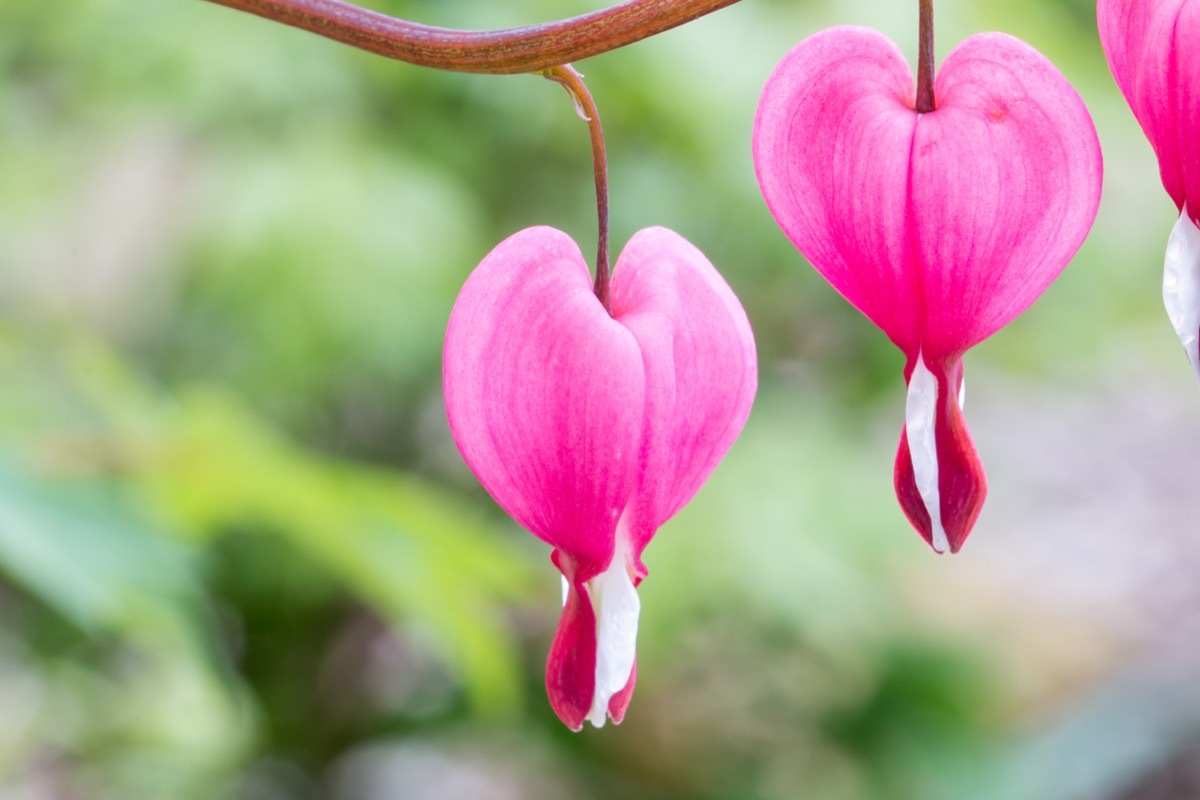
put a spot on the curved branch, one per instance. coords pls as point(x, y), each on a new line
point(530, 49)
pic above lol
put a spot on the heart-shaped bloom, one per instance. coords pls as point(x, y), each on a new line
point(940, 227)
point(1153, 48)
point(592, 430)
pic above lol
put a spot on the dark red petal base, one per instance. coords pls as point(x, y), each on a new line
point(571, 667)
point(962, 485)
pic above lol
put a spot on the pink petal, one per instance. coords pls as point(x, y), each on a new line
point(1006, 177)
point(1123, 25)
point(1186, 47)
point(545, 394)
point(701, 369)
point(832, 141)
point(940, 227)
point(1151, 47)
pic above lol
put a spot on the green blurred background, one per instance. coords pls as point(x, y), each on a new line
point(240, 557)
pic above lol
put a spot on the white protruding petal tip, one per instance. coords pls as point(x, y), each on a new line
point(920, 415)
point(617, 606)
point(940, 542)
point(1181, 285)
point(566, 590)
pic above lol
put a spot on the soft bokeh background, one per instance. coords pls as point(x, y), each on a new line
point(240, 557)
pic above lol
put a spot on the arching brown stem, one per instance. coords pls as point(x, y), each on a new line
point(530, 49)
point(570, 78)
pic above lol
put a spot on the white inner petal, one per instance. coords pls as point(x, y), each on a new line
point(962, 394)
point(920, 414)
point(566, 590)
point(1181, 285)
point(617, 606)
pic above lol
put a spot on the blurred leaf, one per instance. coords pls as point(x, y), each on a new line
point(205, 465)
point(77, 547)
point(402, 545)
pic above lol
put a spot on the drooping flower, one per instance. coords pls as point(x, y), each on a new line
point(1153, 49)
point(592, 430)
point(940, 227)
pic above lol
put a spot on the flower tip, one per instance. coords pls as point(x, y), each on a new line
point(1181, 285)
point(939, 478)
point(959, 506)
point(620, 701)
point(592, 666)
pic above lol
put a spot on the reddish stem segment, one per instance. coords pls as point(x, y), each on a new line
point(570, 78)
point(925, 64)
point(530, 49)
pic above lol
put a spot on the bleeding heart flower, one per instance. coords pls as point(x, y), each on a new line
point(592, 430)
point(940, 227)
point(1153, 48)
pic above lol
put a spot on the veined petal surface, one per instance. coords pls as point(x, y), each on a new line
point(832, 143)
point(940, 227)
point(1006, 177)
point(1187, 75)
point(701, 369)
point(1123, 25)
point(545, 395)
point(1153, 49)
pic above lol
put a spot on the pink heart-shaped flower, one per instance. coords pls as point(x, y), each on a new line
point(1153, 48)
point(592, 430)
point(940, 227)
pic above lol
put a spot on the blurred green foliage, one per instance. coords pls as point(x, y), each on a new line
point(239, 555)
